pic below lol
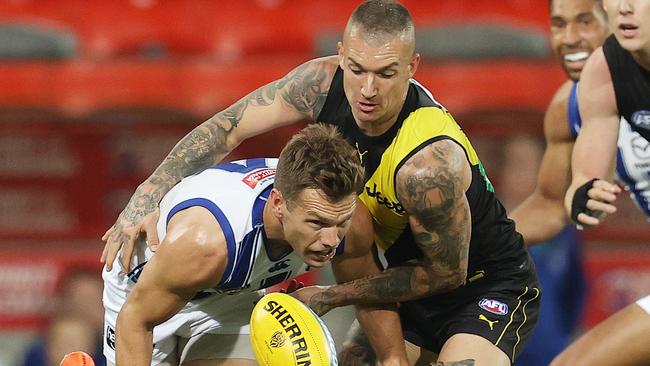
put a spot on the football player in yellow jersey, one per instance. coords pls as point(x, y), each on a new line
point(466, 286)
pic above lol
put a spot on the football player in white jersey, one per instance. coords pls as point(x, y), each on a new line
point(228, 233)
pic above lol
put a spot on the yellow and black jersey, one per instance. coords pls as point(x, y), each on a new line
point(422, 121)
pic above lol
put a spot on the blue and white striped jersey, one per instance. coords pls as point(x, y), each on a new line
point(632, 156)
point(235, 193)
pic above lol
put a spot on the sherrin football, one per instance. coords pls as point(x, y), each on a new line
point(285, 332)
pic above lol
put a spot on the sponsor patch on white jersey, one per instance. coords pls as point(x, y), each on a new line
point(258, 176)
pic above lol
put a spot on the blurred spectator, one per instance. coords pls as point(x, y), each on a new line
point(560, 268)
point(64, 335)
point(77, 323)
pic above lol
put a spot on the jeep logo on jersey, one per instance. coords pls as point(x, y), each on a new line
point(258, 176)
point(395, 206)
point(641, 119)
point(493, 306)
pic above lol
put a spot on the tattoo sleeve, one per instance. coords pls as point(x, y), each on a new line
point(431, 187)
point(304, 90)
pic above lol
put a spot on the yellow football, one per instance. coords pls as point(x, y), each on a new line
point(285, 332)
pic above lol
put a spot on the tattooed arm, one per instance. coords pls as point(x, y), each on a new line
point(298, 96)
point(431, 186)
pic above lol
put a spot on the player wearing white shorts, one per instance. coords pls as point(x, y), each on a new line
point(228, 233)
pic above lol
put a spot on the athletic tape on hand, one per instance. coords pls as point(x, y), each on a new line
point(580, 198)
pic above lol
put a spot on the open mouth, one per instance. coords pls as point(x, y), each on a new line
point(628, 30)
point(325, 255)
point(576, 56)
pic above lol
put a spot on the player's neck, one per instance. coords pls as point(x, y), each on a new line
point(376, 128)
point(272, 226)
point(276, 245)
point(642, 57)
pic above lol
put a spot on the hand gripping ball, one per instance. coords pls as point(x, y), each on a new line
point(285, 332)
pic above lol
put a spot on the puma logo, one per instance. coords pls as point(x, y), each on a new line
point(490, 322)
point(361, 154)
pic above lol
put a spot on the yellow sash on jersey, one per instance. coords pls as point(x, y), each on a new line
point(419, 128)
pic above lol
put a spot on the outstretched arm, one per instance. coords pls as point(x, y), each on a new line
point(541, 216)
point(186, 263)
point(595, 149)
point(298, 96)
point(380, 323)
point(431, 186)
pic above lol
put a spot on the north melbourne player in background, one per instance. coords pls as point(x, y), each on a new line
point(615, 84)
point(578, 27)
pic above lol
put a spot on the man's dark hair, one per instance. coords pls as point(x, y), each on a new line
point(382, 17)
point(319, 158)
point(599, 3)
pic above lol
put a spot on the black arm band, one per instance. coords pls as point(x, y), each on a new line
point(580, 198)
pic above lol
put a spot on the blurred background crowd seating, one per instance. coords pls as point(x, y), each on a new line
point(93, 94)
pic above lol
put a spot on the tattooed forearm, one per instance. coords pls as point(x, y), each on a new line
point(207, 144)
point(467, 362)
point(431, 187)
point(415, 280)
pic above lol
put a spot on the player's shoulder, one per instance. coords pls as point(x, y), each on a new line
point(326, 63)
point(596, 71)
point(556, 118)
point(562, 94)
point(322, 68)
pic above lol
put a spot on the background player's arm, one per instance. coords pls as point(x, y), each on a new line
point(541, 216)
point(431, 186)
point(595, 149)
point(299, 95)
point(380, 323)
point(192, 257)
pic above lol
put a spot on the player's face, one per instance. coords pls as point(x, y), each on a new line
point(630, 22)
point(315, 226)
point(376, 75)
point(578, 27)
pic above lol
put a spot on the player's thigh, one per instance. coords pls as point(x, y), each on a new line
point(464, 349)
point(217, 349)
point(419, 356)
point(621, 339)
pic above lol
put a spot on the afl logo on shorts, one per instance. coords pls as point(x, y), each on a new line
point(493, 306)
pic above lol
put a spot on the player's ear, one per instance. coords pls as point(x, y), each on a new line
point(341, 51)
point(413, 65)
point(277, 203)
